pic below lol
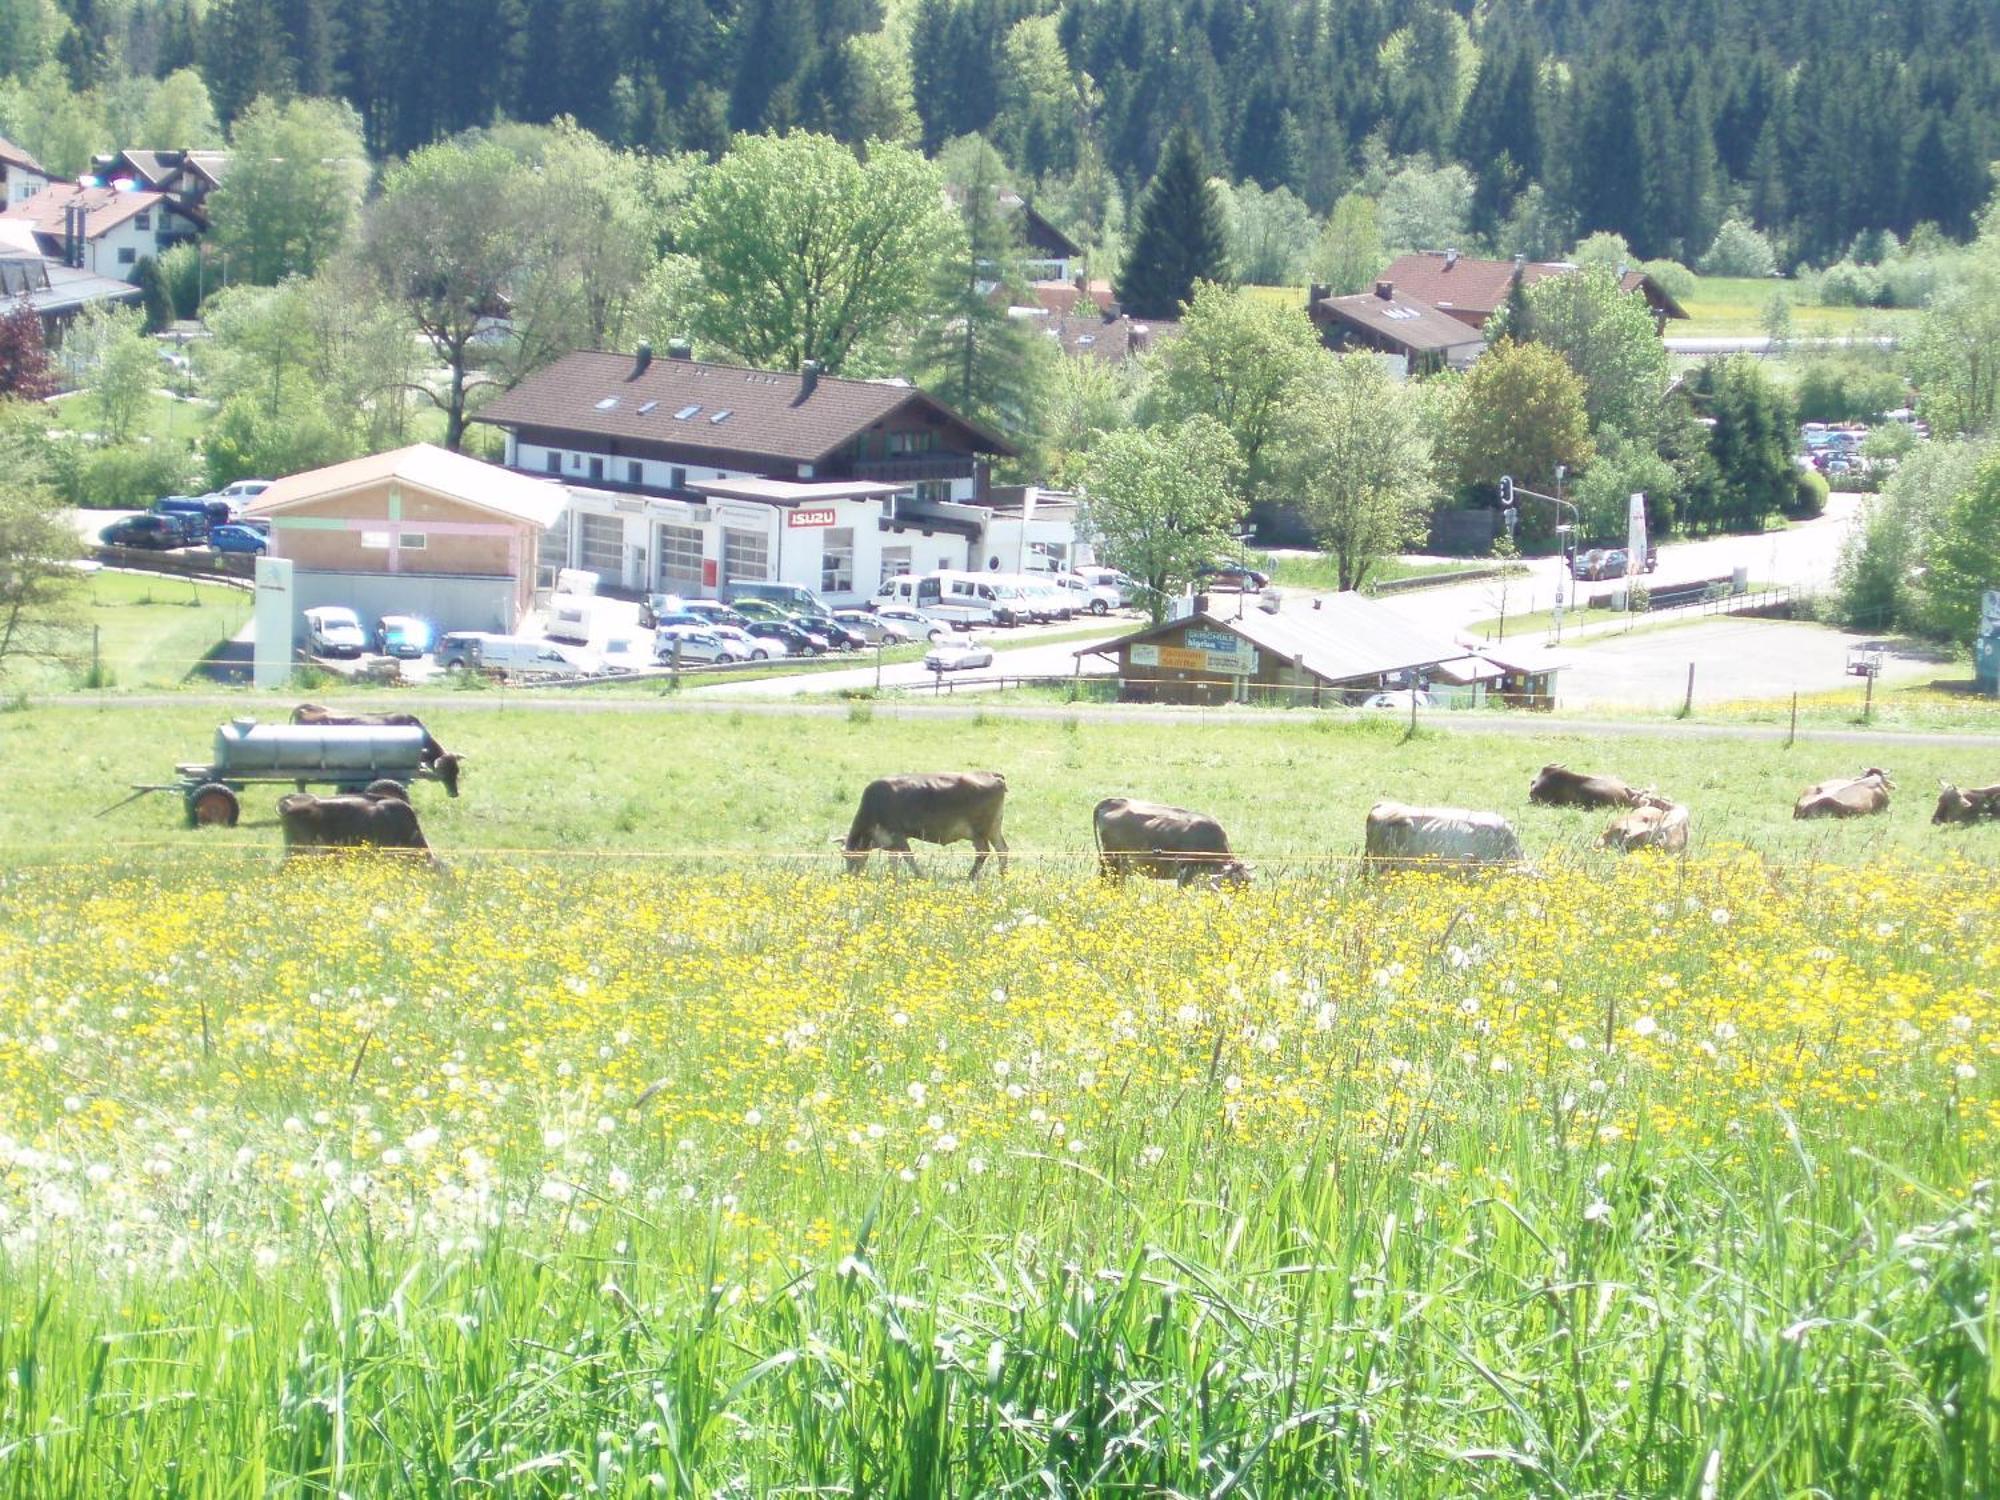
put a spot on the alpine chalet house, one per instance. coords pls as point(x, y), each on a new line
point(1472, 290)
point(105, 230)
point(686, 475)
point(184, 177)
point(21, 176)
point(1410, 337)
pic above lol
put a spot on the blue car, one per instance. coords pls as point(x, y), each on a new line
point(236, 538)
point(406, 636)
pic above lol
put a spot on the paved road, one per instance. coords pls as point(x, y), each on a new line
point(1760, 343)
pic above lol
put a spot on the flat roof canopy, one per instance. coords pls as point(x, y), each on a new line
point(794, 492)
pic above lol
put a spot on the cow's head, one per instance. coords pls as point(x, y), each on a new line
point(855, 855)
point(1876, 773)
point(447, 767)
point(1651, 798)
point(1236, 872)
point(1953, 806)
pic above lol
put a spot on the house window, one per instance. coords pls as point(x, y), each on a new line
point(413, 541)
point(931, 491)
point(145, 220)
point(746, 557)
point(677, 479)
point(554, 462)
point(895, 562)
point(635, 472)
point(375, 541)
point(680, 558)
point(600, 544)
point(912, 442)
point(127, 256)
point(597, 468)
point(836, 561)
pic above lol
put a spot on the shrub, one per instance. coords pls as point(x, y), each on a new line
point(131, 476)
point(1673, 278)
point(1845, 284)
point(1809, 492)
point(1832, 390)
point(1739, 250)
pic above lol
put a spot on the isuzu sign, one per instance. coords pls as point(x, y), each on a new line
point(810, 515)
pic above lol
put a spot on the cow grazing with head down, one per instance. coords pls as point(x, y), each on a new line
point(1558, 786)
point(352, 820)
point(1846, 796)
point(1402, 837)
point(433, 756)
point(1655, 823)
point(937, 808)
point(1167, 843)
point(1968, 806)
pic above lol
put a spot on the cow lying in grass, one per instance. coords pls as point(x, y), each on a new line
point(1846, 796)
point(1657, 823)
point(374, 819)
point(1968, 806)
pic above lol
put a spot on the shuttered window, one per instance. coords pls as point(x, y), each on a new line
point(680, 559)
point(600, 544)
point(746, 557)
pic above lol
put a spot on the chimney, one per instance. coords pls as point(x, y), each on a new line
point(808, 378)
point(641, 358)
point(1520, 262)
point(1082, 281)
point(1139, 339)
point(1450, 259)
point(1386, 290)
point(1316, 294)
point(679, 349)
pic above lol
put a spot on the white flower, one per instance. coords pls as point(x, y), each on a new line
point(1599, 1212)
point(422, 1141)
point(1645, 1026)
point(753, 1117)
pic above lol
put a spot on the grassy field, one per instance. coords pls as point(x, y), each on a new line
point(557, 1178)
point(1725, 305)
point(1292, 789)
point(1321, 574)
point(150, 632)
point(165, 418)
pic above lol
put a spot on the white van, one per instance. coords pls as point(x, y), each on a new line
point(516, 656)
point(962, 598)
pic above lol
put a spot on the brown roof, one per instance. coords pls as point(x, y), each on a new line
point(424, 466)
point(1397, 319)
point(105, 208)
point(728, 409)
point(14, 156)
point(1062, 298)
point(1472, 288)
point(164, 171)
point(1113, 339)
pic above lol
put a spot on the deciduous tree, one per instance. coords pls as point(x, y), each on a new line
point(294, 187)
point(25, 373)
point(1965, 557)
point(1607, 336)
point(1162, 501)
point(37, 546)
point(1361, 463)
point(1518, 411)
point(1350, 252)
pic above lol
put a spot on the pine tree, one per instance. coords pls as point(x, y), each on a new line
point(1181, 238)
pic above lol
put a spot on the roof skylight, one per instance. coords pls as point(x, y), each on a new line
point(723, 415)
point(687, 411)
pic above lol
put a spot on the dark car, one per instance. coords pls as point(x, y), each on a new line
point(159, 532)
point(203, 513)
point(237, 538)
point(838, 636)
point(1229, 575)
point(798, 642)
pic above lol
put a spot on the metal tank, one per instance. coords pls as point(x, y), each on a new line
point(342, 752)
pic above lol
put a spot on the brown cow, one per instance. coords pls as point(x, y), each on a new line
point(1655, 823)
point(352, 820)
point(433, 755)
point(939, 808)
point(1558, 786)
point(1846, 796)
point(1167, 843)
point(1968, 806)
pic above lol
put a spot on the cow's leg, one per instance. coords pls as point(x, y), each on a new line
point(900, 849)
point(1000, 844)
point(979, 858)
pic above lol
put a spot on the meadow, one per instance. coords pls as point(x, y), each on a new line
point(547, 1179)
point(642, 1153)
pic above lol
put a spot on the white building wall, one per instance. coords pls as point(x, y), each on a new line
point(106, 255)
point(21, 185)
point(533, 458)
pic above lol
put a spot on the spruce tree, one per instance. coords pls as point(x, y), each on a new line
point(1181, 238)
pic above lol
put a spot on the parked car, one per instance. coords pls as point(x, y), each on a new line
point(1089, 597)
point(760, 609)
point(203, 512)
point(873, 628)
point(788, 596)
point(1400, 699)
point(715, 610)
point(158, 532)
point(838, 636)
point(1045, 601)
point(755, 647)
point(509, 656)
point(1229, 575)
point(694, 645)
point(458, 650)
point(1123, 588)
point(407, 636)
point(334, 630)
point(242, 491)
point(235, 538)
point(797, 642)
point(912, 620)
point(620, 654)
point(955, 656)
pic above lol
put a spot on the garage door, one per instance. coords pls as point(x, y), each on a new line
point(600, 546)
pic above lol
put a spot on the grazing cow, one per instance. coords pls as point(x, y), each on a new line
point(352, 820)
point(1408, 837)
point(939, 808)
point(1558, 786)
point(1968, 806)
point(433, 755)
point(1655, 823)
point(1846, 796)
point(1167, 843)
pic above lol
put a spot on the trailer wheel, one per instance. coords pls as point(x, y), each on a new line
point(213, 804)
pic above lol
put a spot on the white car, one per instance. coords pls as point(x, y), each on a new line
point(242, 492)
point(695, 644)
point(1086, 596)
point(915, 623)
point(1400, 699)
point(334, 630)
point(753, 647)
point(1052, 601)
point(955, 656)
